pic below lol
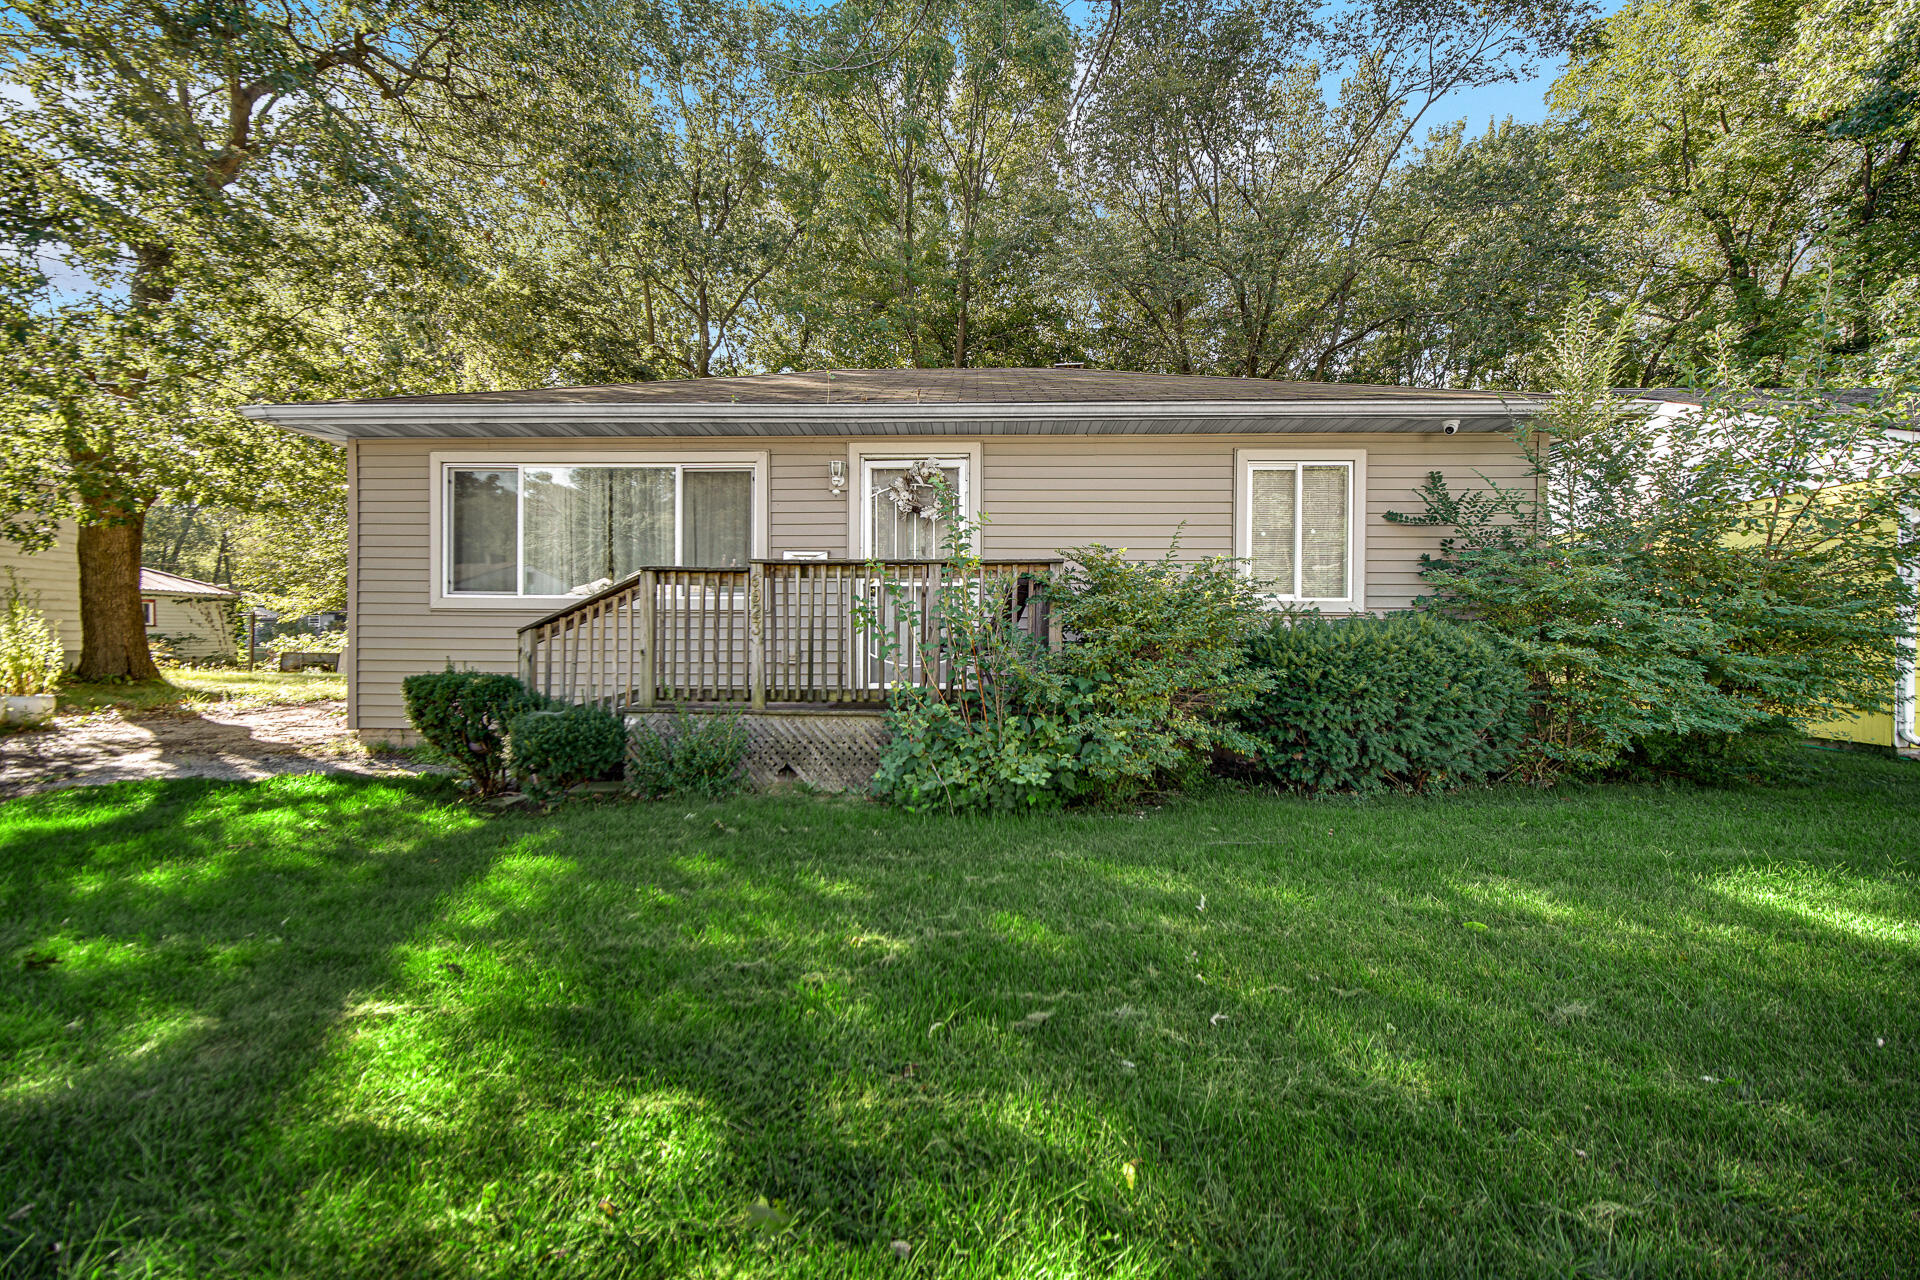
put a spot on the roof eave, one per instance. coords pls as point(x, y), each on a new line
point(341, 422)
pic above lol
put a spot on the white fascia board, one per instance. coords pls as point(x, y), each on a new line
point(337, 421)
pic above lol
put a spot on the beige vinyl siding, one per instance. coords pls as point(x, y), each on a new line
point(198, 628)
point(1044, 493)
point(51, 578)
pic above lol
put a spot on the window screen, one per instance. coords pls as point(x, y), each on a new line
point(1300, 529)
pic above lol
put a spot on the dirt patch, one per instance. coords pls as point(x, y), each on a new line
point(207, 743)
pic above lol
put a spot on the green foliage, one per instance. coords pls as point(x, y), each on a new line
point(550, 750)
point(1714, 147)
point(702, 755)
point(1155, 664)
point(1766, 752)
point(945, 753)
point(465, 716)
point(306, 642)
point(32, 659)
point(1138, 698)
point(1406, 702)
point(1697, 575)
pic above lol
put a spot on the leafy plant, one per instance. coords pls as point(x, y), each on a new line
point(1408, 702)
point(32, 658)
point(944, 753)
point(306, 642)
point(465, 716)
point(1137, 698)
point(1699, 574)
point(1766, 752)
point(549, 751)
point(701, 756)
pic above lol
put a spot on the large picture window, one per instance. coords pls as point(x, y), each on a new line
point(539, 530)
point(1298, 531)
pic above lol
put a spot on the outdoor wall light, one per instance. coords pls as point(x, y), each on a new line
point(837, 475)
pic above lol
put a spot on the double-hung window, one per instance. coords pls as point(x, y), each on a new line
point(540, 530)
point(1299, 528)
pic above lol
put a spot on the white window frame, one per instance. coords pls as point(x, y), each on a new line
point(1247, 461)
point(149, 613)
point(439, 512)
point(864, 454)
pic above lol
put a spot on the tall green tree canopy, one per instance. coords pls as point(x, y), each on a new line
point(216, 171)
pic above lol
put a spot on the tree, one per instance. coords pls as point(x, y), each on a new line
point(937, 238)
point(1693, 575)
point(206, 167)
point(1748, 154)
point(1239, 212)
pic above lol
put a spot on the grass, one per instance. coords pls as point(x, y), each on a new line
point(186, 688)
point(329, 1027)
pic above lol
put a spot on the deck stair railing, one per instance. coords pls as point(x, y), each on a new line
point(775, 633)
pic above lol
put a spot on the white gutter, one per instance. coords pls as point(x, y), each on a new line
point(337, 420)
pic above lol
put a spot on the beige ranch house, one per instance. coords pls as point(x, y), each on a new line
point(711, 542)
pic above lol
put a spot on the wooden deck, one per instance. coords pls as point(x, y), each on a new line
point(794, 634)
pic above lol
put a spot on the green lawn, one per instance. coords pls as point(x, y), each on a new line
point(189, 687)
point(327, 1027)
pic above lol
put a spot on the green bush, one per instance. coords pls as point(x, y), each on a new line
point(701, 756)
point(1768, 752)
point(551, 750)
point(944, 753)
point(31, 657)
point(1138, 699)
point(1408, 701)
point(464, 716)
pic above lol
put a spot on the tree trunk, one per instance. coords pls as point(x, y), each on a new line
point(113, 634)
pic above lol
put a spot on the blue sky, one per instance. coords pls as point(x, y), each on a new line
point(1525, 101)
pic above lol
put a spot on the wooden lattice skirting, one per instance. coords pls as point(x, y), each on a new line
point(835, 751)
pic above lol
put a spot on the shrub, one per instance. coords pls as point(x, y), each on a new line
point(702, 755)
point(551, 750)
point(1138, 698)
point(306, 642)
point(464, 715)
point(31, 657)
point(947, 753)
point(1408, 701)
point(1768, 752)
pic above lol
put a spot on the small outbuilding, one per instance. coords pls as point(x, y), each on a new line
point(196, 620)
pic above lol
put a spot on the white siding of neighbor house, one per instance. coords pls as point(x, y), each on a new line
point(198, 628)
point(51, 579)
point(1043, 493)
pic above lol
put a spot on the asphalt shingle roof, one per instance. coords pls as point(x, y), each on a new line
point(949, 386)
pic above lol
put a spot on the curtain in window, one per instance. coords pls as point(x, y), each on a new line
point(1272, 549)
point(718, 510)
point(582, 524)
point(1323, 533)
point(1301, 526)
point(897, 535)
point(482, 552)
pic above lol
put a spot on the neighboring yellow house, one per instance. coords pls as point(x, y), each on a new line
point(1898, 727)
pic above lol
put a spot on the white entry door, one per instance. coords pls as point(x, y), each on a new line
point(896, 607)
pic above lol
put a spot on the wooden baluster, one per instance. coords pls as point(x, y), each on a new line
point(757, 636)
point(644, 625)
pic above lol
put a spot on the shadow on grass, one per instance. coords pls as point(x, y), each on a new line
point(1235, 1037)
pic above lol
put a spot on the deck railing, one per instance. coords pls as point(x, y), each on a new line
point(778, 632)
